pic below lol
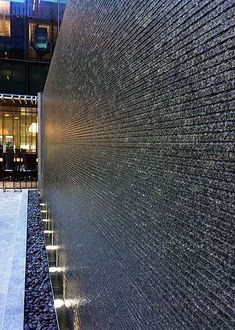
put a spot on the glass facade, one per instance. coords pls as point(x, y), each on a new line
point(29, 28)
point(28, 33)
point(22, 77)
point(18, 139)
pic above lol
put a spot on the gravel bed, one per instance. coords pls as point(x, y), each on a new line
point(39, 306)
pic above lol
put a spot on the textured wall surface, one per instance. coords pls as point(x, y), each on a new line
point(138, 161)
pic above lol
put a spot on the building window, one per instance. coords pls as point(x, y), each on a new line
point(18, 128)
point(5, 26)
point(5, 7)
point(5, 23)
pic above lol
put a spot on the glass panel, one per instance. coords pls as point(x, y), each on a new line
point(27, 133)
point(16, 131)
point(5, 7)
point(5, 26)
point(1, 134)
point(18, 128)
point(23, 142)
point(12, 77)
point(37, 77)
point(23, 25)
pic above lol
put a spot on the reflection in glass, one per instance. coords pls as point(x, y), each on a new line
point(28, 29)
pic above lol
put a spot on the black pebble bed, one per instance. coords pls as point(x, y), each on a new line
point(39, 310)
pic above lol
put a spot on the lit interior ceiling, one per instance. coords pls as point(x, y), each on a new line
point(13, 99)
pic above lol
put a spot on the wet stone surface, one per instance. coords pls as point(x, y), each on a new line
point(39, 306)
point(138, 162)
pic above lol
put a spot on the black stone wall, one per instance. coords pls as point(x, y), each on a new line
point(138, 162)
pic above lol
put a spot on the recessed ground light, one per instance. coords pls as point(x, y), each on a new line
point(58, 303)
point(56, 269)
point(6, 115)
point(45, 220)
point(42, 204)
point(52, 247)
point(43, 211)
point(48, 231)
point(16, 118)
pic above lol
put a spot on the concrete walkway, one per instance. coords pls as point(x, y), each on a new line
point(13, 230)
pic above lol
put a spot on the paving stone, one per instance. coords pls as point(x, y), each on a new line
point(13, 226)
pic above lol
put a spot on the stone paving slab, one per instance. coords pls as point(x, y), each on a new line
point(13, 231)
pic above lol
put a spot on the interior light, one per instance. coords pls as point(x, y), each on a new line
point(33, 128)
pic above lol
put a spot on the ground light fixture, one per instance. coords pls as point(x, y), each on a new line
point(58, 303)
point(52, 247)
point(56, 269)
